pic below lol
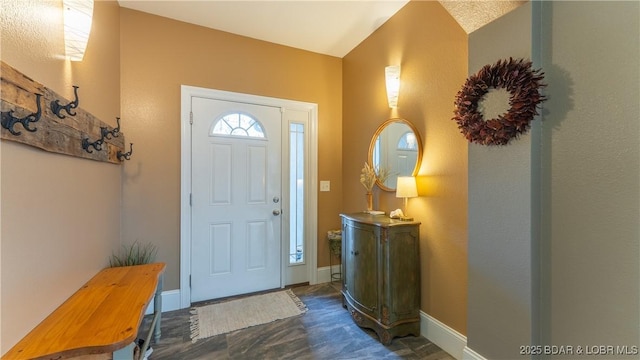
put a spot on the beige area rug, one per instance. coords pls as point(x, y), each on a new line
point(221, 318)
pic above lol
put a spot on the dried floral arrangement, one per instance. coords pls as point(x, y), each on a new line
point(523, 84)
point(369, 174)
point(368, 177)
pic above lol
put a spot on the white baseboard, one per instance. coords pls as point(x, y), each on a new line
point(170, 301)
point(324, 273)
point(469, 354)
point(442, 335)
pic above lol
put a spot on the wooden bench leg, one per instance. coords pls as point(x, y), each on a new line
point(125, 353)
point(157, 307)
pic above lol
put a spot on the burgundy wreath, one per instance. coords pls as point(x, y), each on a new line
point(515, 76)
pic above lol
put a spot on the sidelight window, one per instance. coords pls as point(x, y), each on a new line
point(296, 193)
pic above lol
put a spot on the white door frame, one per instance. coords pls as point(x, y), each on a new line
point(187, 92)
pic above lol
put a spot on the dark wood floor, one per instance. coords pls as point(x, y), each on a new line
point(326, 331)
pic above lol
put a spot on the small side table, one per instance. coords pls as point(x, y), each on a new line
point(335, 248)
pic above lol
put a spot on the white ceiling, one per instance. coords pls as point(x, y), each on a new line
point(331, 27)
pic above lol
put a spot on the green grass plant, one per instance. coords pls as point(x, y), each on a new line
point(134, 254)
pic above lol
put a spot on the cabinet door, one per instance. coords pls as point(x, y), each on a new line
point(402, 275)
point(361, 266)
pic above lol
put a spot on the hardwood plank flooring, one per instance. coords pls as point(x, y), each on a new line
point(326, 331)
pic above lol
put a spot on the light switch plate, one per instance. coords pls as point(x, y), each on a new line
point(325, 185)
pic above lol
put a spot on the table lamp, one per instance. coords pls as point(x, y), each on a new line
point(406, 188)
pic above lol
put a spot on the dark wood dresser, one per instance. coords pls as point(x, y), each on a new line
point(381, 274)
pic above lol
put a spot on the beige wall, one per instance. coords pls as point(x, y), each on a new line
point(159, 55)
point(432, 50)
point(60, 215)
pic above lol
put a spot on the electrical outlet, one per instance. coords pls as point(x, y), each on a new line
point(325, 185)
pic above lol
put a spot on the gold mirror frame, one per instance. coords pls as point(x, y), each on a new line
point(377, 134)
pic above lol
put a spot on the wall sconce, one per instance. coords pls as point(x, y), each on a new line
point(77, 26)
point(392, 76)
point(406, 188)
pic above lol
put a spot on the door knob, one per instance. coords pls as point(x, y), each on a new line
point(276, 212)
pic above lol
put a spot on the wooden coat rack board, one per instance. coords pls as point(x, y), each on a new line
point(73, 132)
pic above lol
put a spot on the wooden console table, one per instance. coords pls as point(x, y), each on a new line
point(381, 274)
point(103, 316)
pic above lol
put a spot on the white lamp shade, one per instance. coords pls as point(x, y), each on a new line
point(392, 77)
point(78, 15)
point(406, 187)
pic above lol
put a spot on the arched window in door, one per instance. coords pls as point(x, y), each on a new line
point(408, 141)
point(238, 124)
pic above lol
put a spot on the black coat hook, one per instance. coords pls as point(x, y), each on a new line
point(97, 145)
point(126, 156)
point(56, 108)
point(105, 132)
point(8, 120)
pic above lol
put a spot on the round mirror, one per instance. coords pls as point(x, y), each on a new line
point(395, 150)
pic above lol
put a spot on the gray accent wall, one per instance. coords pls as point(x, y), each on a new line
point(591, 176)
point(501, 222)
point(554, 217)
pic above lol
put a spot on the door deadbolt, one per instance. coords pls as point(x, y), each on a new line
point(276, 199)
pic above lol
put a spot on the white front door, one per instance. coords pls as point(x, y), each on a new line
point(236, 198)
